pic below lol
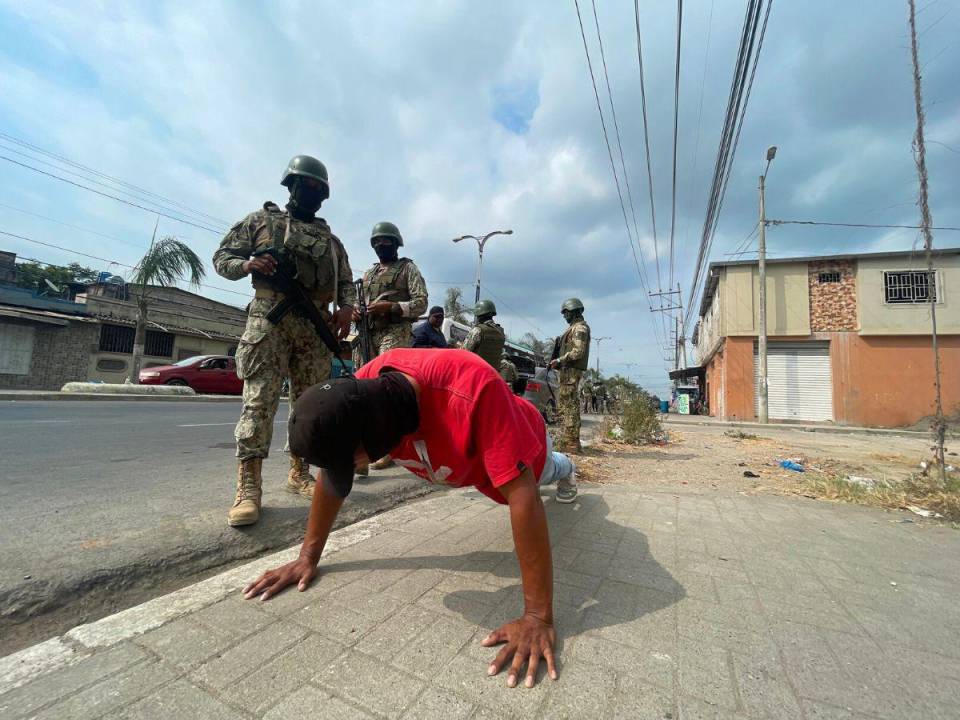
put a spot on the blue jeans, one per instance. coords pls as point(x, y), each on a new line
point(557, 467)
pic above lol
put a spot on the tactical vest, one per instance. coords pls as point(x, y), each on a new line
point(389, 285)
point(565, 339)
point(491, 344)
point(310, 248)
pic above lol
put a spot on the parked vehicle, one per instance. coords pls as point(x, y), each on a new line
point(203, 373)
point(543, 390)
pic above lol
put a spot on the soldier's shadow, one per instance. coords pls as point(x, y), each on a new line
point(604, 575)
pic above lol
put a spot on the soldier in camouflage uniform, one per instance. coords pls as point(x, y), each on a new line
point(572, 359)
point(486, 339)
point(396, 296)
point(269, 352)
point(508, 371)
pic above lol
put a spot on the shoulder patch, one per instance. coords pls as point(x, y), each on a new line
point(271, 206)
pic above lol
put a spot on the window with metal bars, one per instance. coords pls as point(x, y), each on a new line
point(116, 338)
point(908, 287)
point(828, 277)
point(158, 344)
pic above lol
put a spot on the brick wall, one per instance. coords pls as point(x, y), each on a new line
point(61, 354)
point(833, 305)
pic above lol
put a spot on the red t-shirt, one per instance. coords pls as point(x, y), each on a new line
point(473, 430)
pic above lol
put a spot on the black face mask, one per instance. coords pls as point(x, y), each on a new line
point(305, 200)
point(386, 253)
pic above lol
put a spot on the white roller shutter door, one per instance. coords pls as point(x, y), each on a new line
point(799, 382)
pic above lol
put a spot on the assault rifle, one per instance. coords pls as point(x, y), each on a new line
point(363, 325)
point(295, 297)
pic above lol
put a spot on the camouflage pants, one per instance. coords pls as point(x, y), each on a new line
point(266, 355)
point(398, 335)
point(569, 407)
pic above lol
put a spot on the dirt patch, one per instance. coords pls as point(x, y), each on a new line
point(709, 459)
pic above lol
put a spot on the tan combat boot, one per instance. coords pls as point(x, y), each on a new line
point(383, 463)
point(299, 479)
point(246, 507)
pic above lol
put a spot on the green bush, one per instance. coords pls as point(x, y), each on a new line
point(640, 421)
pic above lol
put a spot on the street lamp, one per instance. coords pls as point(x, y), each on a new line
point(481, 241)
point(598, 340)
point(763, 414)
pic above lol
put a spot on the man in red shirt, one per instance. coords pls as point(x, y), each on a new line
point(449, 418)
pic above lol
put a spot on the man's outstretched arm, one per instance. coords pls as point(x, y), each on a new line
point(323, 513)
point(532, 636)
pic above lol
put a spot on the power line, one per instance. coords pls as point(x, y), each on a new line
point(676, 120)
point(646, 142)
point(606, 137)
point(616, 126)
point(106, 260)
point(118, 181)
point(108, 195)
point(74, 227)
point(857, 225)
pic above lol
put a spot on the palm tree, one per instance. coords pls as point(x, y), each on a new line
point(166, 262)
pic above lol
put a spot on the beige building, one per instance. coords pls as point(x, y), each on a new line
point(849, 337)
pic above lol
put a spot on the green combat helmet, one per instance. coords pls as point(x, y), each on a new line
point(484, 307)
point(571, 305)
point(307, 167)
point(386, 229)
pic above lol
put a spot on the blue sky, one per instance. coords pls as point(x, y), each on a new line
point(454, 117)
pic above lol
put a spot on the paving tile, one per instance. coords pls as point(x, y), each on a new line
point(412, 586)
point(184, 643)
point(653, 664)
point(279, 677)
point(369, 683)
point(111, 693)
point(763, 695)
point(311, 702)
point(437, 703)
point(25, 699)
point(582, 691)
point(249, 655)
point(640, 632)
point(638, 701)
point(392, 635)
point(336, 622)
point(433, 648)
point(180, 699)
point(234, 617)
point(704, 673)
point(468, 678)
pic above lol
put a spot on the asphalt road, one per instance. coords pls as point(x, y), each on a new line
point(106, 504)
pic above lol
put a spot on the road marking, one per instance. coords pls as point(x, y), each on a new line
point(49, 421)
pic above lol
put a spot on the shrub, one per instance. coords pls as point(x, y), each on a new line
point(640, 421)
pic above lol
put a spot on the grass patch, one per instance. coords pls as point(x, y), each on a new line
point(740, 435)
point(923, 490)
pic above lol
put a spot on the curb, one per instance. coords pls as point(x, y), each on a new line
point(835, 429)
point(82, 641)
point(46, 395)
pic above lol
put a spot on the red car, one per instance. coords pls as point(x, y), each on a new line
point(204, 373)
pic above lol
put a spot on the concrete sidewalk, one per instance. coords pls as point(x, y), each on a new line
point(709, 420)
point(668, 606)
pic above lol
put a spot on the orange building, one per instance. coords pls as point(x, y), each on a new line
point(849, 338)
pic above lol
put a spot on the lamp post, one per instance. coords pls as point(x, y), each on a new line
point(763, 414)
point(481, 241)
point(598, 340)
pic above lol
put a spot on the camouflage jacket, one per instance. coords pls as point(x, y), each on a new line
point(399, 282)
point(321, 261)
point(575, 346)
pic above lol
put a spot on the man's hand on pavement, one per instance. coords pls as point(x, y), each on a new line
point(527, 640)
point(263, 264)
point(341, 321)
point(300, 571)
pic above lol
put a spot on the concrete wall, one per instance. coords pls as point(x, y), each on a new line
point(730, 380)
point(887, 381)
point(708, 335)
point(876, 317)
point(788, 299)
point(60, 355)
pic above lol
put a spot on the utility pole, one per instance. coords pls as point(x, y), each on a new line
point(598, 340)
point(763, 413)
point(481, 241)
point(926, 220)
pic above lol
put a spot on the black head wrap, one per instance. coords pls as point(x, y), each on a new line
point(330, 420)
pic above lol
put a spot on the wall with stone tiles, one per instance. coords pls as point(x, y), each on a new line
point(833, 305)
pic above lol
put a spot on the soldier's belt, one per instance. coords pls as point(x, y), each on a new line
point(318, 298)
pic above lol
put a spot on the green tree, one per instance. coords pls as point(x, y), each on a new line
point(453, 306)
point(32, 274)
point(167, 261)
